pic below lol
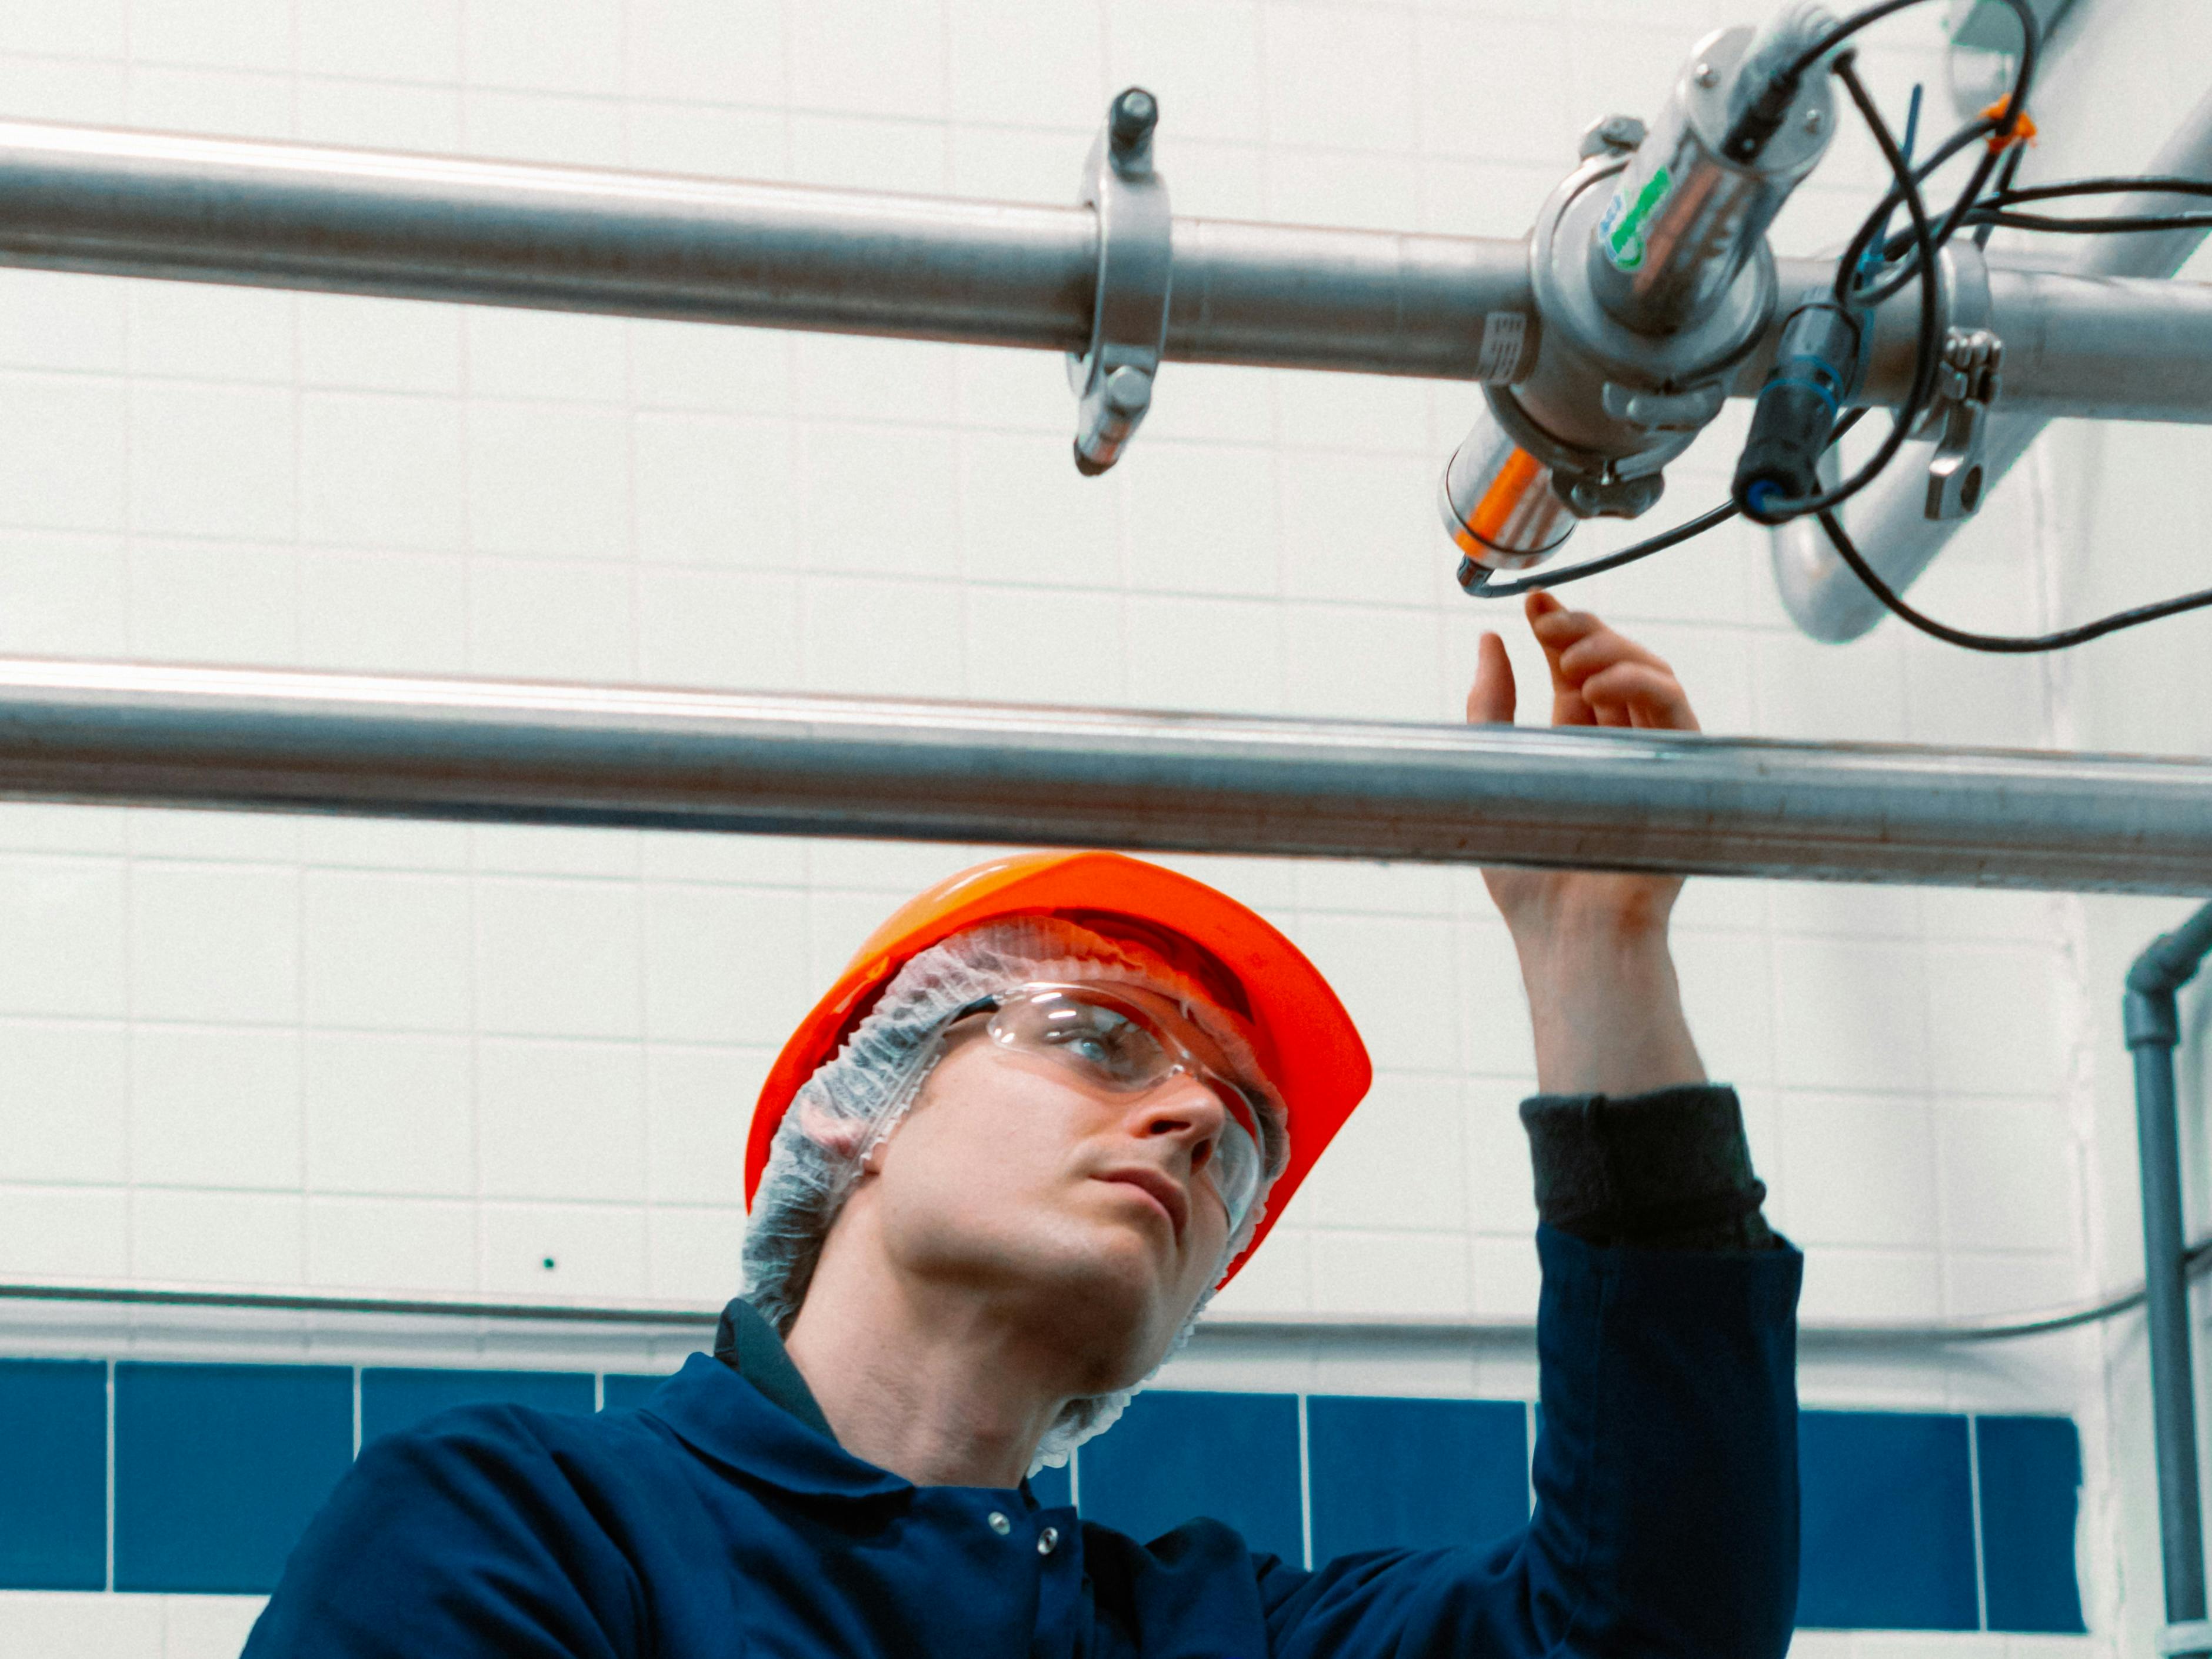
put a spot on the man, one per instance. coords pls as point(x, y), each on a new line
point(993, 1176)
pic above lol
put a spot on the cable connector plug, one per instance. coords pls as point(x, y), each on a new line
point(1817, 366)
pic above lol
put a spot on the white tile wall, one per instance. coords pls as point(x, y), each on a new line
point(241, 1052)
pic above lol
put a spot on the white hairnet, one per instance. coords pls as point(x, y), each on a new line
point(845, 1110)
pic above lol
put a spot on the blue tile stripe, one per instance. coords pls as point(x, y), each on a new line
point(1913, 1521)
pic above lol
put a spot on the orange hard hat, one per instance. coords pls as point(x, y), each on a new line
point(1305, 1042)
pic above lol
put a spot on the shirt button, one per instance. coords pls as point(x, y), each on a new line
point(1000, 1524)
point(1047, 1540)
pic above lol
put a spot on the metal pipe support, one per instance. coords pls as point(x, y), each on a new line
point(493, 751)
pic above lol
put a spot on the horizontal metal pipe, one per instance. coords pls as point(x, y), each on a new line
point(572, 238)
point(502, 233)
point(2087, 344)
point(486, 750)
point(1970, 1329)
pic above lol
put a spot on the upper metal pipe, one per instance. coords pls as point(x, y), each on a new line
point(572, 238)
point(812, 765)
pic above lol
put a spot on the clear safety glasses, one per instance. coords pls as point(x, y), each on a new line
point(1126, 1039)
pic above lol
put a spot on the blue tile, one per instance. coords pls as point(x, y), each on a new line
point(53, 1474)
point(218, 1469)
point(1233, 1458)
point(393, 1398)
point(1412, 1472)
point(619, 1391)
point(1888, 1538)
point(1052, 1488)
point(2031, 1469)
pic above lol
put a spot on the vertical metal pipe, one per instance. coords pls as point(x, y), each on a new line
point(2154, 1029)
point(2173, 1405)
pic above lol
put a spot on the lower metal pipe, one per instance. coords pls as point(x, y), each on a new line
point(2154, 1030)
point(492, 751)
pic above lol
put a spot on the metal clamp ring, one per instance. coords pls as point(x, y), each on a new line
point(1113, 376)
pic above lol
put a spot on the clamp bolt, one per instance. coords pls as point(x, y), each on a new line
point(1128, 390)
point(1707, 76)
point(1614, 135)
point(1814, 120)
point(1130, 121)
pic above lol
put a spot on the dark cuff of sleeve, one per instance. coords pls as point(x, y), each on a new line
point(1670, 1169)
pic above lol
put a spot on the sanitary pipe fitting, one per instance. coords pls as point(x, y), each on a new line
point(1653, 281)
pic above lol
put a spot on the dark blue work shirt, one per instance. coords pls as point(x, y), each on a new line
point(713, 1521)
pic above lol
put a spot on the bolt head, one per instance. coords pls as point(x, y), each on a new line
point(1128, 390)
point(1707, 76)
point(1814, 120)
point(1133, 118)
point(1614, 135)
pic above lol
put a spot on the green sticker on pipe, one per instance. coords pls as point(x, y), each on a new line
point(1622, 229)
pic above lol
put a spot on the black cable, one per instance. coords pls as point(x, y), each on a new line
point(1642, 550)
point(2011, 171)
point(2003, 644)
point(1710, 519)
point(2031, 42)
point(1998, 219)
point(2162, 186)
point(1956, 216)
point(1930, 343)
point(1996, 212)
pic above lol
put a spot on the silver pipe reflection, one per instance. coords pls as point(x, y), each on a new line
point(783, 764)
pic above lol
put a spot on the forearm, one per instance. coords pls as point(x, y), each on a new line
point(1607, 1010)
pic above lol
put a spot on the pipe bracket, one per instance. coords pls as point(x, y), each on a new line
point(1112, 375)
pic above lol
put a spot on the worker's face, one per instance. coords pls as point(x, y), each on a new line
point(1092, 1213)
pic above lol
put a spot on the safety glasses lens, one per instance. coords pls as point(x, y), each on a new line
point(1105, 1044)
point(1114, 1045)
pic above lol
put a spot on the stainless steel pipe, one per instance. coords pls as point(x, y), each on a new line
point(486, 750)
point(569, 239)
point(501, 232)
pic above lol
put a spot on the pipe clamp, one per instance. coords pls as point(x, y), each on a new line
point(1113, 376)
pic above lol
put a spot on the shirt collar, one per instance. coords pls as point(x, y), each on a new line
point(750, 1347)
point(729, 1420)
point(747, 1407)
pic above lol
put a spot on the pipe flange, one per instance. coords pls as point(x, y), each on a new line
point(1112, 375)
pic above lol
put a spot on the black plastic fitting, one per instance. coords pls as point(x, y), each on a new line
point(1816, 368)
point(1760, 120)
